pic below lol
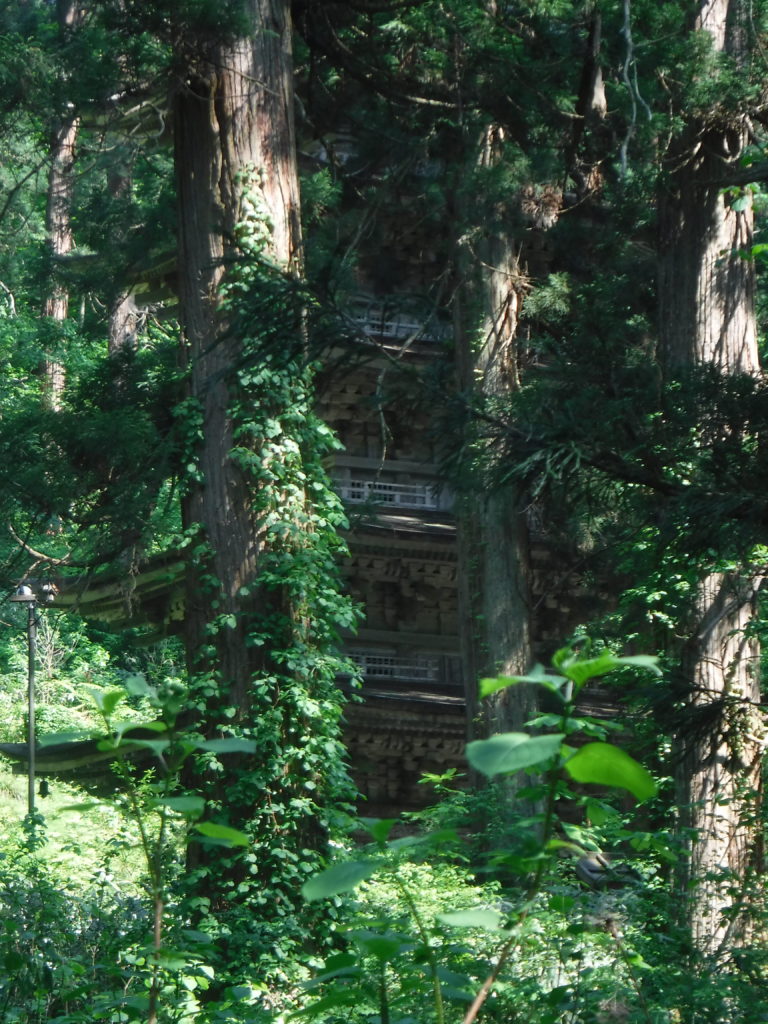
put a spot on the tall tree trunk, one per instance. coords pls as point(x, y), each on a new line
point(124, 319)
point(719, 776)
point(57, 220)
point(60, 242)
point(124, 315)
point(493, 536)
point(261, 580)
point(234, 118)
point(707, 318)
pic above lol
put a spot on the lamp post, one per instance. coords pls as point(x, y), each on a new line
point(25, 595)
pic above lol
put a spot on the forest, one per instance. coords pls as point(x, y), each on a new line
point(261, 263)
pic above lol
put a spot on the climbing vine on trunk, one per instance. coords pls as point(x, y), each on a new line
point(287, 795)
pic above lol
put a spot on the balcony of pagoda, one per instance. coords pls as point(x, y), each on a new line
point(390, 485)
point(402, 325)
point(408, 674)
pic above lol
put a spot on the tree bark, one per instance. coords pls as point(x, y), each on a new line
point(60, 242)
point(719, 775)
point(707, 280)
point(260, 579)
point(124, 315)
point(493, 537)
point(234, 116)
point(58, 226)
point(707, 319)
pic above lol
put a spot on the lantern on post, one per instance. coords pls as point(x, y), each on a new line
point(26, 595)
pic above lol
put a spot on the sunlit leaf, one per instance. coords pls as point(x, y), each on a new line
point(136, 684)
point(379, 828)
point(336, 998)
point(223, 833)
point(538, 676)
point(649, 661)
point(229, 745)
point(338, 878)
point(437, 839)
point(158, 747)
point(187, 805)
point(564, 844)
point(511, 752)
point(561, 904)
point(383, 947)
point(55, 738)
point(106, 700)
point(599, 813)
point(581, 670)
point(607, 765)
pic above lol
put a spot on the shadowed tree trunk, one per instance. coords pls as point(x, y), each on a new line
point(60, 241)
point(261, 595)
point(707, 318)
point(124, 314)
point(493, 535)
point(233, 117)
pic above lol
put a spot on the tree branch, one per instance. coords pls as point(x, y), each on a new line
point(38, 555)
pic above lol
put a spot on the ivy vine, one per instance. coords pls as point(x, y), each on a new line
point(289, 796)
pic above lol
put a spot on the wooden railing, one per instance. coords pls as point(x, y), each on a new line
point(435, 671)
point(384, 492)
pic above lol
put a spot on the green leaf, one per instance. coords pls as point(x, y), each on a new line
point(14, 961)
point(194, 936)
point(511, 752)
point(338, 965)
point(229, 745)
point(485, 918)
point(339, 878)
point(338, 997)
point(379, 828)
point(106, 700)
point(537, 676)
point(191, 806)
point(563, 844)
point(649, 661)
point(153, 726)
point(581, 670)
point(223, 833)
point(136, 684)
point(599, 813)
point(561, 904)
point(55, 738)
point(383, 947)
point(157, 747)
point(607, 765)
point(437, 839)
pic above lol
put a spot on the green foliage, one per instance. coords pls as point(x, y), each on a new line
point(594, 430)
point(597, 762)
point(423, 936)
point(352, 980)
point(425, 927)
point(113, 440)
point(291, 790)
point(70, 900)
point(68, 660)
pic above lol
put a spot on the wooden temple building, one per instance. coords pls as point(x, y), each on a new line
point(410, 716)
point(403, 566)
